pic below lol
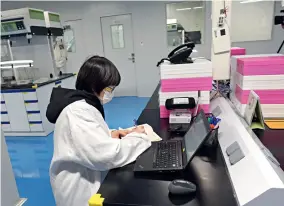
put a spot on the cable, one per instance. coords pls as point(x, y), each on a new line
point(162, 60)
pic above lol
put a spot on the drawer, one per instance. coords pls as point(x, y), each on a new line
point(6, 126)
point(36, 126)
point(34, 116)
point(3, 107)
point(29, 95)
point(4, 117)
point(31, 105)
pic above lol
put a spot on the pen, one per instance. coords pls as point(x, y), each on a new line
point(135, 122)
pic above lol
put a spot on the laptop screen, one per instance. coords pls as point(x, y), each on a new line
point(196, 135)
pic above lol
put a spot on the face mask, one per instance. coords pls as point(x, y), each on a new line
point(107, 97)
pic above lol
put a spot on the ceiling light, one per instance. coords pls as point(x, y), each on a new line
point(250, 1)
point(171, 21)
point(198, 7)
point(183, 9)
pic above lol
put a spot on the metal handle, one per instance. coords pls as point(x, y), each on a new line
point(132, 58)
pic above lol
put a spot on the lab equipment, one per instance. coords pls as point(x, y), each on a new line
point(181, 187)
point(221, 40)
point(23, 106)
point(255, 174)
point(178, 117)
point(24, 21)
point(13, 68)
point(180, 103)
point(57, 46)
point(175, 155)
point(29, 29)
point(179, 110)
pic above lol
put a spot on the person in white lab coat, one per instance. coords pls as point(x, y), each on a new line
point(84, 147)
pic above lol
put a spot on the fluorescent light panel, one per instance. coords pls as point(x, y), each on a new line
point(250, 1)
point(198, 7)
point(183, 9)
point(171, 21)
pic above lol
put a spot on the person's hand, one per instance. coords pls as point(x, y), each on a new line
point(139, 129)
point(117, 134)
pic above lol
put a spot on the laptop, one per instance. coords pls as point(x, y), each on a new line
point(175, 155)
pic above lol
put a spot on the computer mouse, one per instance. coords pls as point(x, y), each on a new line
point(181, 187)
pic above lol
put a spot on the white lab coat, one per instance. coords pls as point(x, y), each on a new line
point(84, 151)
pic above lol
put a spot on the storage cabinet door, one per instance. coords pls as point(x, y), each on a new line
point(16, 111)
point(69, 82)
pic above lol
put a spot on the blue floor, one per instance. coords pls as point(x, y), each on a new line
point(31, 156)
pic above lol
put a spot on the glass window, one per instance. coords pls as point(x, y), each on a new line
point(185, 22)
point(69, 39)
point(5, 54)
point(117, 36)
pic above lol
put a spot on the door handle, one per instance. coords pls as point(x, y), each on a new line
point(132, 58)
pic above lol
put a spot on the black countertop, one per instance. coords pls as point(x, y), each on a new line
point(30, 85)
point(122, 187)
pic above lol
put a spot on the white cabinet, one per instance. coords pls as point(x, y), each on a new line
point(16, 111)
point(69, 82)
point(31, 105)
point(34, 116)
point(4, 117)
point(5, 126)
point(36, 127)
point(23, 111)
point(30, 95)
point(3, 106)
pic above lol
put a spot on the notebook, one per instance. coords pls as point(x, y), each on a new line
point(275, 123)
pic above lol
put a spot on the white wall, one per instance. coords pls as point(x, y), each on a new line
point(149, 29)
point(269, 46)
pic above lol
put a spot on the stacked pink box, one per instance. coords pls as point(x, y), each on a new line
point(265, 76)
point(238, 51)
point(185, 80)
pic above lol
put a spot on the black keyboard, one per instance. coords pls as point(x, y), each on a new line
point(166, 155)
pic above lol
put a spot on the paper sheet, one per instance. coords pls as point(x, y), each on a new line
point(150, 133)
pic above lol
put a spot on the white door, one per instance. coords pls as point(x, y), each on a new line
point(118, 47)
point(74, 40)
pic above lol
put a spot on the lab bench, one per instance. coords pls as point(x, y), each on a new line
point(207, 170)
point(23, 107)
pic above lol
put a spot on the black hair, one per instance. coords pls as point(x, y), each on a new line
point(97, 73)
